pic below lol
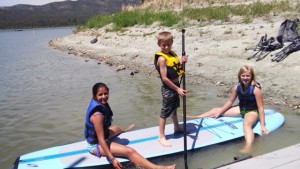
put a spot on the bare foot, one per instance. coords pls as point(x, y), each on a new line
point(192, 117)
point(167, 167)
point(129, 127)
point(164, 142)
point(246, 150)
point(197, 116)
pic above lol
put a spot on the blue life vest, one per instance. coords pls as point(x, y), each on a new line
point(89, 131)
point(247, 98)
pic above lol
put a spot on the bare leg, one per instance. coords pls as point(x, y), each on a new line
point(116, 130)
point(176, 124)
point(233, 112)
point(162, 137)
point(129, 127)
point(249, 119)
point(134, 157)
point(214, 112)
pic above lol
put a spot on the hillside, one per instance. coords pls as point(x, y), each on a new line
point(65, 13)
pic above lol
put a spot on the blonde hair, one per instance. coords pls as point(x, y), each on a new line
point(164, 37)
point(244, 69)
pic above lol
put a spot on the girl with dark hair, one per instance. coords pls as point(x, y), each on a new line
point(99, 132)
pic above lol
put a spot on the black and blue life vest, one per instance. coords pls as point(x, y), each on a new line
point(89, 130)
point(247, 98)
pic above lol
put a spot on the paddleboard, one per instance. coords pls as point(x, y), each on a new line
point(202, 132)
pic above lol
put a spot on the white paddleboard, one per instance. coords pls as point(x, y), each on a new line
point(202, 132)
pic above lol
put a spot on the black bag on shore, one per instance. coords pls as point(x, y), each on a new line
point(293, 47)
point(288, 32)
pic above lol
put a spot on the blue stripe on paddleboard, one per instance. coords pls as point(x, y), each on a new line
point(201, 128)
point(130, 142)
point(53, 156)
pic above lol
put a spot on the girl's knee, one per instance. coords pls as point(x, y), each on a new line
point(130, 150)
point(247, 124)
point(116, 129)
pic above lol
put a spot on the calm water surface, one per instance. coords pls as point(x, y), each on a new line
point(44, 94)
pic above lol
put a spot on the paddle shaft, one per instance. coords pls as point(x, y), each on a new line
point(184, 103)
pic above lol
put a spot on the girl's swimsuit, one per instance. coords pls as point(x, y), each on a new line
point(247, 99)
point(243, 112)
point(92, 147)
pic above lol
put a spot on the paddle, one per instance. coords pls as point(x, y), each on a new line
point(184, 102)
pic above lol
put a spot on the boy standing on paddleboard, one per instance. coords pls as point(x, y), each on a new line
point(169, 68)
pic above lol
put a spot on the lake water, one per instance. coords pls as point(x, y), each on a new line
point(44, 94)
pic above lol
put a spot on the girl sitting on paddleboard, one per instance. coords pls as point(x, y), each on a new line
point(251, 106)
point(98, 132)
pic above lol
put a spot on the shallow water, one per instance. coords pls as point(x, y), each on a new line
point(44, 94)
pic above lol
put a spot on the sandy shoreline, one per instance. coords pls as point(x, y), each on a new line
point(216, 52)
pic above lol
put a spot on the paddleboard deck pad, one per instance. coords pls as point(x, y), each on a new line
point(202, 132)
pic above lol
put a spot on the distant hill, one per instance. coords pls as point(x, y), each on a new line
point(65, 13)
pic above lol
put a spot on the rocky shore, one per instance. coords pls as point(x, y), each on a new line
point(216, 52)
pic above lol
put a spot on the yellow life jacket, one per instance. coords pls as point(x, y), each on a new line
point(174, 67)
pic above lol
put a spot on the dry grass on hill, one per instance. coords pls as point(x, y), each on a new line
point(178, 4)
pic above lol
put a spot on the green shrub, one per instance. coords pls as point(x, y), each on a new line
point(167, 18)
point(98, 21)
point(221, 13)
point(259, 8)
